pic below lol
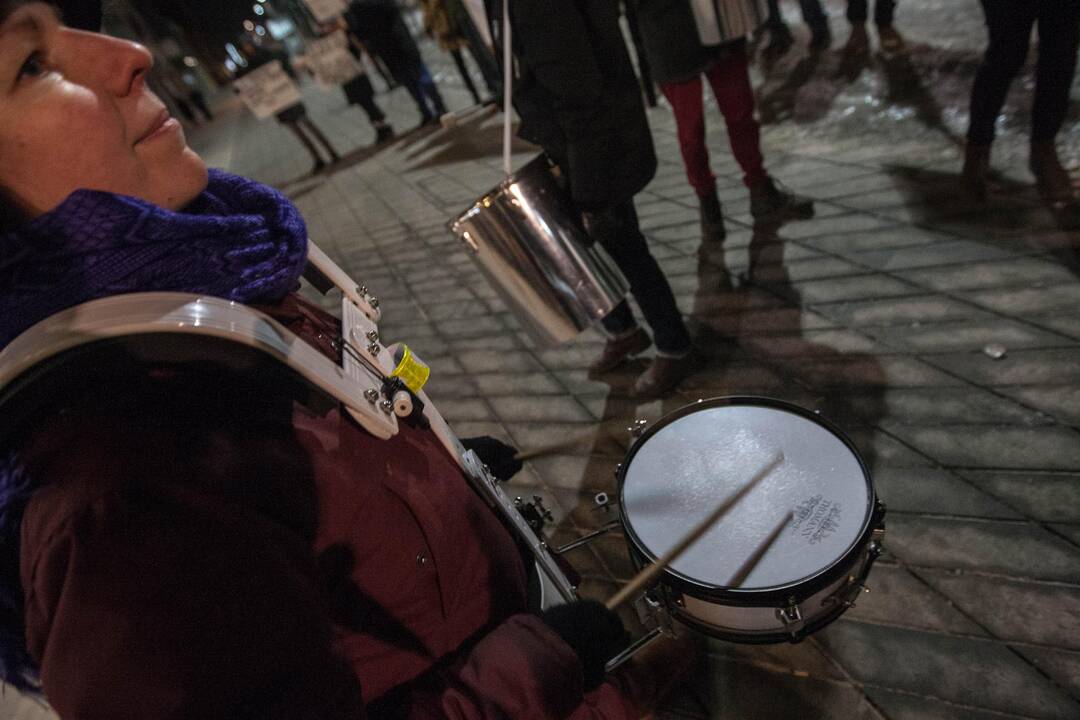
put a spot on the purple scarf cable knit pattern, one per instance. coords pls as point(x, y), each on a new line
point(238, 240)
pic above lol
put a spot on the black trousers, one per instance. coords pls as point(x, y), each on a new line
point(1009, 23)
point(883, 12)
point(617, 231)
point(812, 14)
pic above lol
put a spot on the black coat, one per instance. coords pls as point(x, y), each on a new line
point(671, 40)
point(379, 26)
point(579, 99)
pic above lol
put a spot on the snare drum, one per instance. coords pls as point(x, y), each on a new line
point(685, 465)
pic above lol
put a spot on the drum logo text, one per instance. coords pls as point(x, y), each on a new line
point(816, 519)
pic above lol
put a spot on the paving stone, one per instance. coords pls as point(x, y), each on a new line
point(879, 239)
point(949, 406)
point(1049, 497)
point(1024, 272)
point(906, 706)
point(1049, 448)
point(899, 598)
point(480, 361)
point(1063, 666)
point(813, 343)
point(1069, 532)
point(900, 311)
point(859, 287)
point(802, 659)
point(1067, 325)
point(925, 490)
point(1059, 401)
point(1021, 367)
point(974, 673)
point(989, 546)
point(1026, 302)
point(834, 225)
point(858, 371)
point(924, 256)
point(493, 384)
point(753, 693)
point(970, 336)
point(878, 450)
point(1040, 613)
point(583, 471)
point(530, 408)
point(454, 409)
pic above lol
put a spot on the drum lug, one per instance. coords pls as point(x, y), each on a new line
point(791, 617)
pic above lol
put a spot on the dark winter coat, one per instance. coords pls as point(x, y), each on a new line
point(379, 26)
point(578, 97)
point(205, 546)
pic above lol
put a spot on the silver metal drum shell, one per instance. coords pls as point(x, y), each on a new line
point(527, 239)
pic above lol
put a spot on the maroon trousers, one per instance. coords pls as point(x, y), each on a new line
point(730, 81)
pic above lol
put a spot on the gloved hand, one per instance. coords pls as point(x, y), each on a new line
point(497, 455)
point(595, 633)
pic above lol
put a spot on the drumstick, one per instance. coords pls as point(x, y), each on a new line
point(646, 576)
point(747, 567)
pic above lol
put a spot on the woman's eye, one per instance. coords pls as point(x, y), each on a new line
point(33, 66)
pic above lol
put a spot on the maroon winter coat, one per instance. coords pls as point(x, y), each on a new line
point(205, 549)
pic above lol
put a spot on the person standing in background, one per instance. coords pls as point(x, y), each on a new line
point(857, 15)
point(379, 26)
point(688, 40)
point(442, 25)
point(579, 99)
point(1009, 23)
point(780, 39)
point(294, 117)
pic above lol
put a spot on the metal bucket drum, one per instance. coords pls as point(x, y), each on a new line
point(527, 238)
point(728, 584)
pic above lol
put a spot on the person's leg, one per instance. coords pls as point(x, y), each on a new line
point(780, 40)
point(686, 102)
point(888, 35)
point(884, 10)
point(294, 127)
point(857, 12)
point(730, 81)
point(617, 230)
point(1059, 37)
point(815, 18)
point(464, 70)
point(431, 91)
point(318, 135)
point(858, 41)
point(1009, 25)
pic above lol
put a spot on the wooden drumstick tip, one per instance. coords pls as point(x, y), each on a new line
point(644, 578)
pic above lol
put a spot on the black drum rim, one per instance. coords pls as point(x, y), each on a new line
point(774, 596)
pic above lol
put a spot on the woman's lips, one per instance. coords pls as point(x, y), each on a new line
point(165, 123)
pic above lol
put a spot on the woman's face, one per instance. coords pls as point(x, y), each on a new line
point(75, 113)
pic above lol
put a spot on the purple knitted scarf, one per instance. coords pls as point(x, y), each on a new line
point(238, 240)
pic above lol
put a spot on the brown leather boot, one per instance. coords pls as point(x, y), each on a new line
point(976, 167)
point(1051, 178)
point(663, 375)
point(619, 349)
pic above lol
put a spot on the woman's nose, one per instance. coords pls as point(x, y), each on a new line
point(112, 64)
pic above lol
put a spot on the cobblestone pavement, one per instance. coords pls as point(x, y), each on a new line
point(876, 312)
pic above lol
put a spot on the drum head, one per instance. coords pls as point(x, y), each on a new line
point(684, 467)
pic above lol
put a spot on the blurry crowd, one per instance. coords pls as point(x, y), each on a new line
point(580, 95)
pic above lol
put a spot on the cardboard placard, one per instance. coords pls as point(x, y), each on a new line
point(330, 61)
point(326, 10)
point(267, 90)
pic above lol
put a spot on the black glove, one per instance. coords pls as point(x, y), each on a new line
point(497, 455)
point(595, 633)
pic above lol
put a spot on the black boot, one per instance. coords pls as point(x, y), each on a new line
point(712, 219)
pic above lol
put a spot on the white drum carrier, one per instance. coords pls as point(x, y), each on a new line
point(814, 568)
